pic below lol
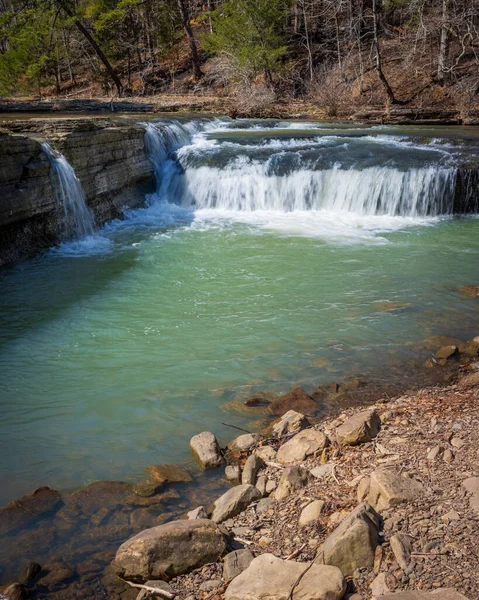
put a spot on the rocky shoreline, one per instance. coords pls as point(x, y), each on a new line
point(378, 501)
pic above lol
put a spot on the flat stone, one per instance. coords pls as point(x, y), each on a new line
point(234, 501)
point(311, 513)
point(235, 563)
point(212, 584)
point(27, 510)
point(434, 452)
point(292, 479)
point(401, 548)
point(271, 578)
point(172, 549)
point(263, 505)
point(303, 444)
point(322, 471)
point(251, 467)
point(388, 489)
point(358, 429)
point(440, 594)
point(446, 352)
point(297, 400)
point(169, 473)
point(472, 486)
point(353, 543)
point(207, 450)
point(15, 591)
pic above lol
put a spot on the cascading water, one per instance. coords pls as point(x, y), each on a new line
point(231, 166)
point(79, 220)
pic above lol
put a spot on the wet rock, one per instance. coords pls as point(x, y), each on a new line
point(448, 456)
point(261, 399)
point(297, 400)
point(388, 489)
point(244, 442)
point(311, 513)
point(16, 591)
point(292, 479)
point(197, 513)
point(55, 575)
point(470, 290)
point(470, 348)
point(267, 453)
point(251, 467)
point(27, 510)
point(270, 578)
point(206, 448)
point(401, 548)
point(233, 473)
point(303, 444)
point(447, 352)
point(100, 495)
point(353, 543)
point(172, 549)
point(360, 428)
point(354, 384)
point(146, 489)
point(234, 501)
point(439, 594)
point(235, 563)
point(168, 473)
point(30, 573)
point(290, 422)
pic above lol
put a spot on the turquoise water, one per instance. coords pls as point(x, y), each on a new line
point(116, 350)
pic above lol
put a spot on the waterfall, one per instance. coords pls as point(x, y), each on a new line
point(237, 172)
point(69, 194)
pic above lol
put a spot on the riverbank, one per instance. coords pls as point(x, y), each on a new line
point(429, 436)
point(187, 105)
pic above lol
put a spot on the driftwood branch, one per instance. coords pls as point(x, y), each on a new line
point(152, 590)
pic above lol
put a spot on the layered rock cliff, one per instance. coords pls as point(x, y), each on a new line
point(108, 157)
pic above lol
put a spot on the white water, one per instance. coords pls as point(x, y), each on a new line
point(69, 194)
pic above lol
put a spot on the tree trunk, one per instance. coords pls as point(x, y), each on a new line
point(443, 44)
point(98, 51)
point(377, 56)
point(191, 38)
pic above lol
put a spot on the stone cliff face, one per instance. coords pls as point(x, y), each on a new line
point(108, 157)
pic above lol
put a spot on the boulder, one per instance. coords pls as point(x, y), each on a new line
point(470, 348)
point(292, 479)
point(441, 594)
point(311, 513)
point(358, 429)
point(235, 563)
point(446, 352)
point(244, 442)
point(168, 473)
point(234, 501)
point(353, 543)
point(290, 422)
point(302, 445)
point(207, 450)
point(271, 578)
point(251, 467)
point(297, 400)
point(267, 453)
point(25, 511)
point(388, 489)
point(172, 549)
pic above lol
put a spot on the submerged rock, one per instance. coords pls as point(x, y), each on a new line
point(261, 399)
point(470, 290)
point(446, 352)
point(169, 473)
point(234, 501)
point(207, 450)
point(297, 400)
point(271, 578)
point(172, 549)
point(25, 511)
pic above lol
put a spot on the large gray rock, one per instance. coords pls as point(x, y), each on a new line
point(304, 444)
point(244, 442)
point(352, 544)
point(234, 501)
point(172, 549)
point(441, 594)
point(235, 563)
point(290, 422)
point(387, 489)
point(270, 578)
point(207, 450)
point(361, 427)
point(292, 479)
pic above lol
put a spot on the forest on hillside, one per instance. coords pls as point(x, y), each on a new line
point(335, 52)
